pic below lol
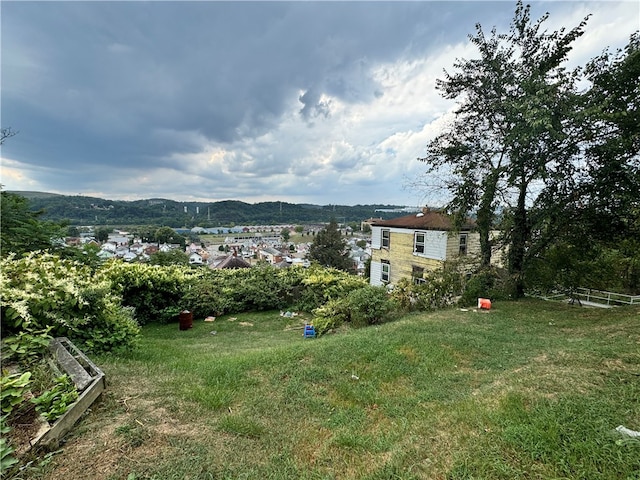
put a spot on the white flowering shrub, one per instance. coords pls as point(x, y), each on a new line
point(41, 290)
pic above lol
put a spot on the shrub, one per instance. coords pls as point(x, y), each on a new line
point(320, 285)
point(369, 305)
point(331, 315)
point(488, 283)
point(441, 288)
point(42, 291)
point(363, 306)
point(217, 292)
point(153, 290)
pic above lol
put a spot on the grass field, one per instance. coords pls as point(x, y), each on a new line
point(529, 390)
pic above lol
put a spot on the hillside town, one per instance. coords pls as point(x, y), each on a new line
point(233, 247)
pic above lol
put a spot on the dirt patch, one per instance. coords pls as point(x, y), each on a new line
point(123, 431)
point(25, 426)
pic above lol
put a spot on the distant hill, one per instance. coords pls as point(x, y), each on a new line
point(31, 195)
point(81, 210)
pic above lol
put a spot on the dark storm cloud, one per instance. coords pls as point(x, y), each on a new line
point(114, 71)
point(127, 90)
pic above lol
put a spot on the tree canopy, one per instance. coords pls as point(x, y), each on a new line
point(22, 230)
point(329, 249)
point(523, 136)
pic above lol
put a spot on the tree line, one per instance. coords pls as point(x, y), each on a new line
point(81, 210)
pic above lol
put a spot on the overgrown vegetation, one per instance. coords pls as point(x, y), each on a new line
point(42, 291)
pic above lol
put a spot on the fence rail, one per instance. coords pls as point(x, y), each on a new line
point(608, 298)
point(597, 297)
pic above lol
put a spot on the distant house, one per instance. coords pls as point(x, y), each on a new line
point(359, 258)
point(271, 255)
point(119, 239)
point(195, 259)
point(232, 261)
point(129, 256)
point(166, 247)
point(409, 246)
point(368, 222)
point(105, 254)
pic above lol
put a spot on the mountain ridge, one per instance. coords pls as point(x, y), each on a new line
point(85, 210)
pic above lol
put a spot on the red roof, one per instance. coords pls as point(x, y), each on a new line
point(425, 220)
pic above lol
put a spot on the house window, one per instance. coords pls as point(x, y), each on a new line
point(386, 271)
point(418, 242)
point(417, 274)
point(463, 244)
point(386, 238)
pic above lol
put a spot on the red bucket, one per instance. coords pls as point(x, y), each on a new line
point(484, 304)
point(186, 320)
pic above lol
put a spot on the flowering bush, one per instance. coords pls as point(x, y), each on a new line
point(319, 285)
point(42, 291)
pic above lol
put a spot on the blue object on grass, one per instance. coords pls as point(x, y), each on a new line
point(309, 331)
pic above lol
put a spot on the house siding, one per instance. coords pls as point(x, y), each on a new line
point(453, 244)
point(376, 274)
point(441, 243)
point(401, 257)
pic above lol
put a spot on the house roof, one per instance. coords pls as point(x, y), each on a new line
point(233, 261)
point(425, 220)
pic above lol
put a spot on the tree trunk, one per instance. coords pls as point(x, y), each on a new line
point(485, 217)
point(519, 237)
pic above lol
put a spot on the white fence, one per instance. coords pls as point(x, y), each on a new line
point(607, 298)
point(598, 297)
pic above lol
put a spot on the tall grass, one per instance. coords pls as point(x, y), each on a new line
point(529, 390)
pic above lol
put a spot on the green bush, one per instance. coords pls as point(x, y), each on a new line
point(369, 305)
point(27, 346)
point(364, 306)
point(153, 290)
point(489, 283)
point(331, 315)
point(441, 288)
point(320, 284)
point(42, 291)
point(218, 292)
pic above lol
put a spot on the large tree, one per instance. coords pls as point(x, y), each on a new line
point(593, 216)
point(329, 249)
point(514, 128)
point(22, 230)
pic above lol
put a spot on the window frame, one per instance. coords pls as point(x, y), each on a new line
point(417, 245)
point(463, 244)
point(385, 240)
point(385, 271)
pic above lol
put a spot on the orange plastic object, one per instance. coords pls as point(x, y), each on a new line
point(484, 304)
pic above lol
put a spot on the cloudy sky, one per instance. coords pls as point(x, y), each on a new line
point(318, 102)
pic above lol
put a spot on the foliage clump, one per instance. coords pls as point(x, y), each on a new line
point(154, 291)
point(42, 291)
point(367, 305)
point(438, 289)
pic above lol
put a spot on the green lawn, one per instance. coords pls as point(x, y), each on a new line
point(529, 390)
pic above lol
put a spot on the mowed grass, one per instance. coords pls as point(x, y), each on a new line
point(529, 390)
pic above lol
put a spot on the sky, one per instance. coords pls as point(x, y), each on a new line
point(303, 102)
